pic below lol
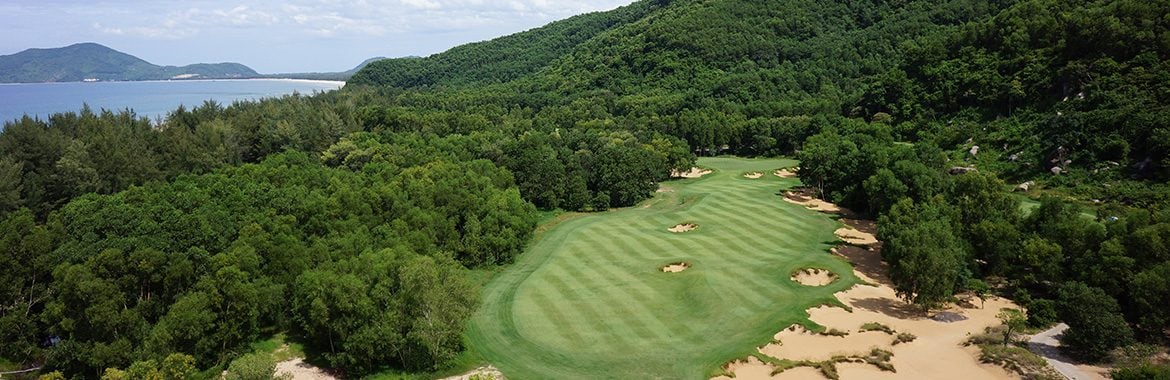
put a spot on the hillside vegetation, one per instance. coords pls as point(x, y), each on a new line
point(331, 217)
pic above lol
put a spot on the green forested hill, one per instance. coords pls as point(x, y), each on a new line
point(502, 59)
point(78, 62)
point(752, 75)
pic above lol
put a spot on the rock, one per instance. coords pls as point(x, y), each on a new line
point(974, 150)
point(1024, 187)
point(1056, 170)
point(961, 170)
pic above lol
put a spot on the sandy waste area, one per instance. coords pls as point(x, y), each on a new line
point(937, 352)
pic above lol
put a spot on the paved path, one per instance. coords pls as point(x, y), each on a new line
point(1047, 345)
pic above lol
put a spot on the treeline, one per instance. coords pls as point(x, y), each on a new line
point(145, 240)
point(948, 230)
point(367, 263)
point(46, 163)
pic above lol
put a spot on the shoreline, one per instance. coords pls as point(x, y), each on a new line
point(315, 81)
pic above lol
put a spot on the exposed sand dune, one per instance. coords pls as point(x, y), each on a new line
point(693, 173)
point(685, 227)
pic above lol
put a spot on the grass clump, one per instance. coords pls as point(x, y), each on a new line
point(834, 332)
point(881, 358)
point(904, 338)
point(874, 326)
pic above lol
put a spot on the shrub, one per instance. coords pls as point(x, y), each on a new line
point(904, 338)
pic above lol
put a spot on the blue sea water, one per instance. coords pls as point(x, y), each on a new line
point(151, 99)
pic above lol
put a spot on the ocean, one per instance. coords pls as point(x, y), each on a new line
point(152, 99)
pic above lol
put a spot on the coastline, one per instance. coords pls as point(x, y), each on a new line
point(314, 81)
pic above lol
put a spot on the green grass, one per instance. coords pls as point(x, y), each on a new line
point(588, 298)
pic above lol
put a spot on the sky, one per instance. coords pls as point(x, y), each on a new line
point(276, 36)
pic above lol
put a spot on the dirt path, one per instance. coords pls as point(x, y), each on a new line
point(1047, 346)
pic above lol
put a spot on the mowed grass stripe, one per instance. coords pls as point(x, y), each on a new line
point(633, 278)
point(617, 316)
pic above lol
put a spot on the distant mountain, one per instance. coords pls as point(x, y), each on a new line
point(90, 61)
point(339, 76)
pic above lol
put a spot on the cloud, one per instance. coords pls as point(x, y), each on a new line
point(332, 18)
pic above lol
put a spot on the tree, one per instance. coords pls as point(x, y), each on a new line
point(1150, 293)
point(884, 190)
point(981, 290)
point(10, 187)
point(1014, 320)
point(924, 262)
point(1095, 323)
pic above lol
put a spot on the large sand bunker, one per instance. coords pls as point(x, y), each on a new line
point(814, 277)
point(753, 175)
point(676, 267)
point(786, 173)
point(937, 351)
point(685, 227)
point(693, 173)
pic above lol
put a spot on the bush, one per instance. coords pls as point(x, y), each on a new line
point(904, 338)
point(255, 366)
point(1144, 371)
point(874, 326)
point(1041, 313)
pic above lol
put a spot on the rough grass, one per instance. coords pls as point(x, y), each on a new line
point(588, 299)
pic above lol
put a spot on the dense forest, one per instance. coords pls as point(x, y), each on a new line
point(355, 220)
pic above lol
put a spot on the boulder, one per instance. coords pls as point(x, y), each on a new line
point(1024, 187)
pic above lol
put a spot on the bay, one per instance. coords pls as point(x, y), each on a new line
point(152, 99)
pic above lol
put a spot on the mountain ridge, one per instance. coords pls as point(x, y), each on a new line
point(90, 61)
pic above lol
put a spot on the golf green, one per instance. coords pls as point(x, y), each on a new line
point(589, 299)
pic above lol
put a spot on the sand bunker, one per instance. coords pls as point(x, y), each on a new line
point(786, 173)
point(693, 173)
point(685, 227)
point(753, 175)
point(855, 237)
point(811, 202)
point(676, 267)
point(814, 277)
point(297, 369)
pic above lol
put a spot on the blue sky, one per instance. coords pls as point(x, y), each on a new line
point(273, 36)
